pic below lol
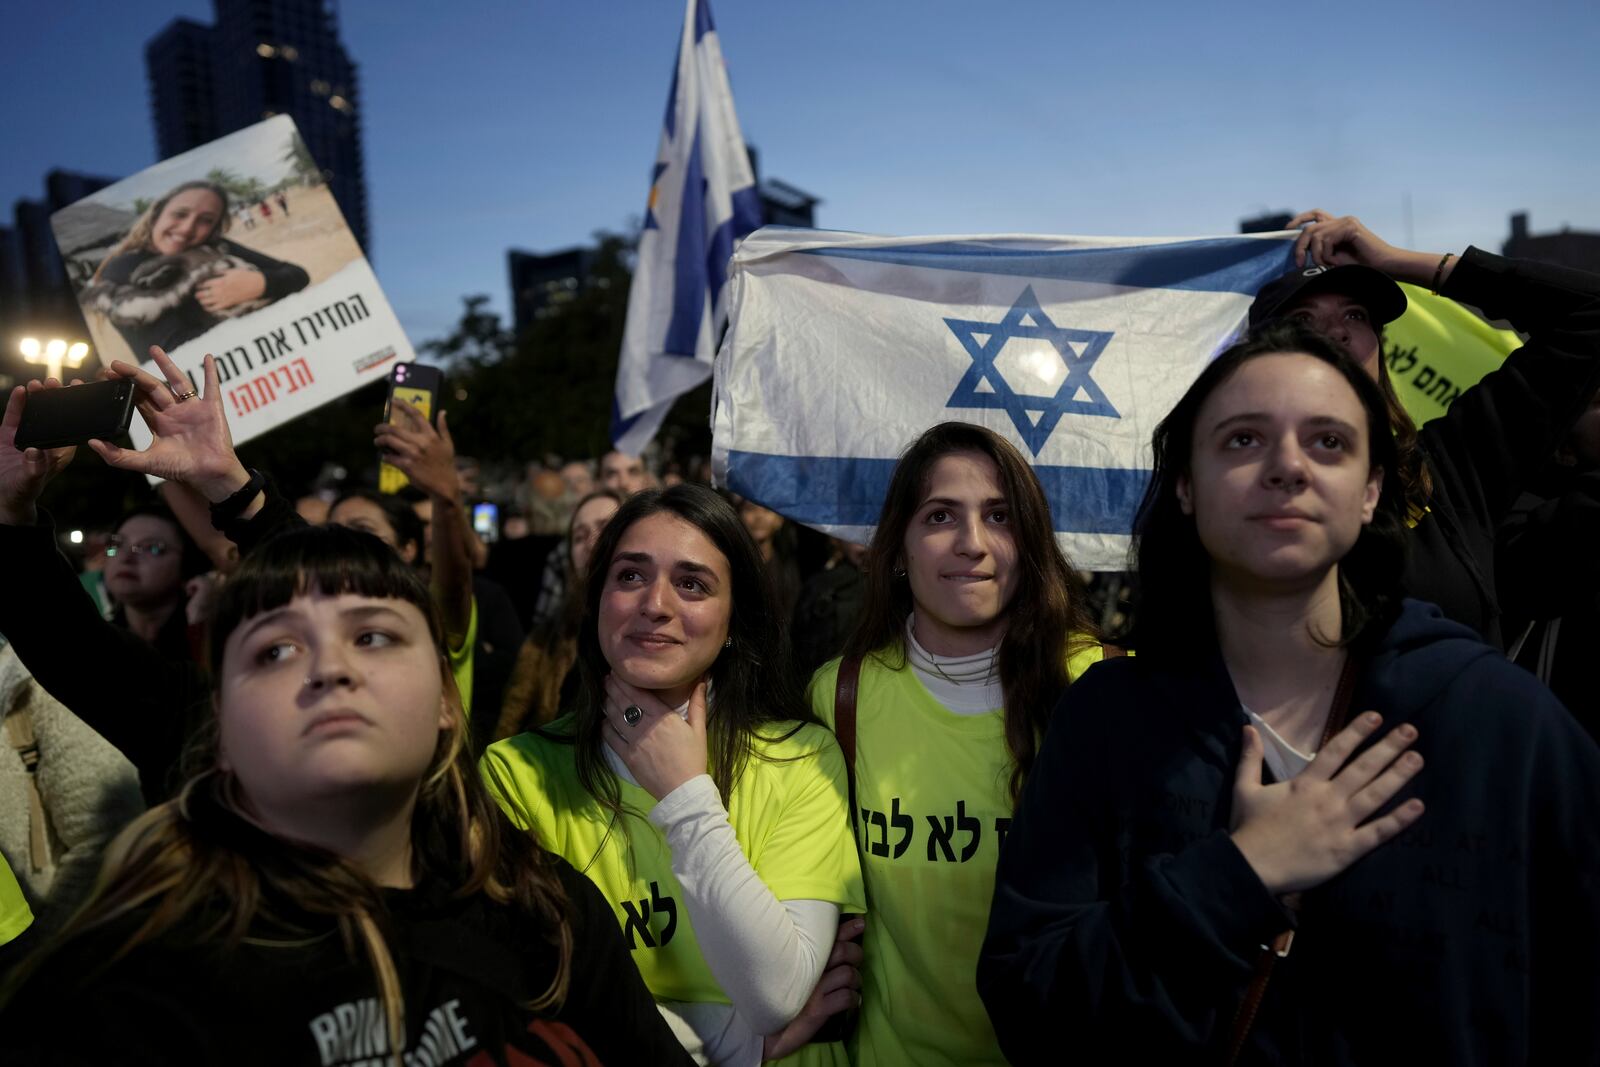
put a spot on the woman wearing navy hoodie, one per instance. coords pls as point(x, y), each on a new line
point(1223, 854)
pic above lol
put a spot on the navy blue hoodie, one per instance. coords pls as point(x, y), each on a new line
point(1125, 923)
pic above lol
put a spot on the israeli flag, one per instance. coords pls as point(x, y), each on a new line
point(843, 347)
point(702, 200)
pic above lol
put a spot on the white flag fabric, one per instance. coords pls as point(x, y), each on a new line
point(702, 201)
point(843, 347)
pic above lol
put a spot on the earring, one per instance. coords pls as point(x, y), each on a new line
point(899, 572)
point(728, 643)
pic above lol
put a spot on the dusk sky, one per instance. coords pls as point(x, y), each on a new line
point(496, 125)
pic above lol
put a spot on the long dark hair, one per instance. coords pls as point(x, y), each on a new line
point(1048, 612)
point(1411, 461)
point(198, 867)
point(752, 681)
point(1173, 611)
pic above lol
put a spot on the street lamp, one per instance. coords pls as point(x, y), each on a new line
point(54, 354)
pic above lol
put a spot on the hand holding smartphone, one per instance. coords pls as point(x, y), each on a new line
point(419, 386)
point(56, 418)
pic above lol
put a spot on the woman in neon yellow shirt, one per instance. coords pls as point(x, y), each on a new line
point(693, 786)
point(973, 625)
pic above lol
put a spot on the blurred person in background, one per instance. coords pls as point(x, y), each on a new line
point(1548, 561)
point(545, 681)
point(579, 478)
point(776, 540)
point(829, 606)
point(623, 473)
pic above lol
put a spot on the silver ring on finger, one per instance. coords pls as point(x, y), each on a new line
point(632, 714)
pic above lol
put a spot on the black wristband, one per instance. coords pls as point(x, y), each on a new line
point(225, 511)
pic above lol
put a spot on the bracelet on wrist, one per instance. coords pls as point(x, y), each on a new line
point(225, 511)
point(1438, 272)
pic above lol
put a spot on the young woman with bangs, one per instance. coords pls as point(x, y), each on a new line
point(1309, 821)
point(333, 885)
point(974, 623)
point(695, 789)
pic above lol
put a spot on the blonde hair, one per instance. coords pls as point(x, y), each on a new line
point(138, 238)
point(202, 849)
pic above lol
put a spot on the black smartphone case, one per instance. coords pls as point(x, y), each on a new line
point(54, 418)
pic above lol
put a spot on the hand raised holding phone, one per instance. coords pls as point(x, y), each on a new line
point(192, 443)
point(423, 454)
point(24, 472)
point(1300, 833)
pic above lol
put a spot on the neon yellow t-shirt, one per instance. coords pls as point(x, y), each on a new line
point(461, 660)
point(933, 789)
point(15, 915)
point(789, 813)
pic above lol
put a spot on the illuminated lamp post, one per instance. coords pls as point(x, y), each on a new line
point(54, 354)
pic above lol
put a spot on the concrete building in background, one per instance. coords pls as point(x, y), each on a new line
point(1564, 248)
point(1270, 223)
point(261, 58)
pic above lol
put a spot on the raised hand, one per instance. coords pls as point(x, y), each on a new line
point(192, 442)
point(839, 989)
point(1300, 833)
point(1336, 242)
point(25, 472)
point(661, 748)
point(425, 455)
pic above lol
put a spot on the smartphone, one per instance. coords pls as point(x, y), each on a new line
point(419, 386)
point(486, 522)
point(72, 415)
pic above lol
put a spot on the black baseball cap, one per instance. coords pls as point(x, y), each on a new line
point(1384, 300)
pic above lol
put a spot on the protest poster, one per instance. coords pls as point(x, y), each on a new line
point(237, 249)
point(843, 347)
point(1437, 350)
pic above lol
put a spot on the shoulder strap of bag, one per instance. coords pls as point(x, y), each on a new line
point(19, 731)
point(844, 722)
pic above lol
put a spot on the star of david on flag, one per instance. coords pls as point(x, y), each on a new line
point(984, 342)
point(842, 348)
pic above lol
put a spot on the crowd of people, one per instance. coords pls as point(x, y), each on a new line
point(685, 783)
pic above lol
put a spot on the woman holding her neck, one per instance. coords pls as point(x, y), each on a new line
point(1307, 822)
point(694, 788)
point(334, 885)
point(973, 625)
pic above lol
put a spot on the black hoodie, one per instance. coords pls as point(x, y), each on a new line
point(467, 967)
point(1125, 923)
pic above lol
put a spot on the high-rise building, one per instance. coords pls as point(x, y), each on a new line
point(262, 58)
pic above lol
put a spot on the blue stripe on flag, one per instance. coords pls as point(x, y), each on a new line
point(702, 21)
point(847, 491)
point(689, 260)
point(620, 425)
point(719, 250)
point(1216, 265)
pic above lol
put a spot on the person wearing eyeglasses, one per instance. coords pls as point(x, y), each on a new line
point(149, 561)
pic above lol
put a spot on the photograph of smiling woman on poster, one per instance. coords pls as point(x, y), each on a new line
point(174, 276)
